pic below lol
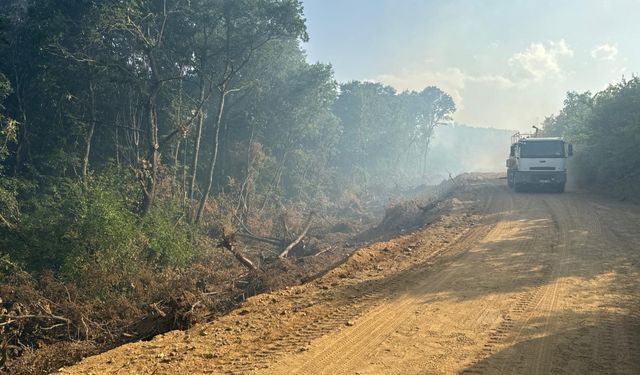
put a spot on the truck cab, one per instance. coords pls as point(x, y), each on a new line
point(537, 162)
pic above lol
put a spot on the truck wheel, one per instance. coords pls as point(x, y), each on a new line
point(510, 180)
point(560, 188)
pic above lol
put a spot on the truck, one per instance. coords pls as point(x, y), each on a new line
point(536, 162)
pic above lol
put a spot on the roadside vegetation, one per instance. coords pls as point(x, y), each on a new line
point(605, 127)
point(160, 161)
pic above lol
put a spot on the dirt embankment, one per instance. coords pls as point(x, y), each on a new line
point(498, 283)
point(217, 283)
point(269, 325)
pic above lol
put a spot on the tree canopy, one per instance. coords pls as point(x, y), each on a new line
point(606, 131)
point(128, 124)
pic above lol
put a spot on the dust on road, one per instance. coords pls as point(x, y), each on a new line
point(502, 283)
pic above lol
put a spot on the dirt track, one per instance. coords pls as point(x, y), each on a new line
point(501, 283)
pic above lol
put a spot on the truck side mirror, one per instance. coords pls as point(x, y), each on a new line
point(570, 149)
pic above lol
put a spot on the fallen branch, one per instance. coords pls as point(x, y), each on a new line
point(22, 317)
point(157, 310)
point(7, 322)
point(247, 233)
point(227, 243)
point(269, 240)
point(194, 306)
point(323, 251)
point(52, 327)
point(300, 237)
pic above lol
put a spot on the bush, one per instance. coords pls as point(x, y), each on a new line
point(88, 234)
point(606, 131)
point(169, 242)
point(103, 234)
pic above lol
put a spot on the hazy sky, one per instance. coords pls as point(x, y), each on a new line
point(506, 63)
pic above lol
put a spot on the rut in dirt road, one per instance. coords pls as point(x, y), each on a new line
point(503, 283)
point(550, 288)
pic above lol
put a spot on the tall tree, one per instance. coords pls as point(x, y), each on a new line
point(248, 25)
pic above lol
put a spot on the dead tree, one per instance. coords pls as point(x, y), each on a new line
point(285, 252)
point(228, 242)
point(287, 244)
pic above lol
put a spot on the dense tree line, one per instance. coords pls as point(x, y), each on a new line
point(138, 136)
point(606, 130)
point(127, 125)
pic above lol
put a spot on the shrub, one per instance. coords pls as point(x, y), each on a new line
point(169, 242)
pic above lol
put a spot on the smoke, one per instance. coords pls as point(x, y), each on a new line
point(460, 148)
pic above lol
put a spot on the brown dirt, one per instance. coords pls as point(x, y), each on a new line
point(499, 283)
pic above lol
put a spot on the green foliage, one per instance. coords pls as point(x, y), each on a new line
point(81, 229)
point(103, 232)
point(9, 211)
point(386, 135)
point(573, 118)
point(606, 130)
point(9, 206)
point(8, 127)
point(71, 226)
point(169, 242)
point(8, 266)
point(91, 89)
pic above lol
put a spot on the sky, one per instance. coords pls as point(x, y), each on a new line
point(507, 63)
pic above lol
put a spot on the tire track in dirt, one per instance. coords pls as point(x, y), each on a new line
point(520, 315)
point(587, 250)
point(544, 283)
point(381, 319)
point(546, 303)
point(544, 322)
point(345, 352)
point(498, 334)
point(615, 332)
point(292, 342)
point(535, 316)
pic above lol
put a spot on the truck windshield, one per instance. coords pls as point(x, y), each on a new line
point(542, 149)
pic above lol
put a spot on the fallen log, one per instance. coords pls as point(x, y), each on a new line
point(13, 318)
point(228, 243)
point(285, 252)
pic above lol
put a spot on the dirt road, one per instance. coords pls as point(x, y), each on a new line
point(500, 283)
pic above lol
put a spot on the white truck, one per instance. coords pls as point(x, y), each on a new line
point(537, 162)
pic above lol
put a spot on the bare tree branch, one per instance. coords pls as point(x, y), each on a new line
point(300, 237)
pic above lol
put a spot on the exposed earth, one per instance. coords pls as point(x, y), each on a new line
point(497, 282)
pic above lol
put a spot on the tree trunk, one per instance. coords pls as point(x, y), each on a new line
point(23, 138)
point(275, 181)
point(426, 150)
point(286, 251)
point(180, 125)
point(228, 243)
point(214, 156)
point(135, 127)
point(154, 145)
point(154, 162)
point(92, 127)
point(196, 151)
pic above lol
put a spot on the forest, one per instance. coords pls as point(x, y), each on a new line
point(163, 160)
point(138, 138)
point(605, 128)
